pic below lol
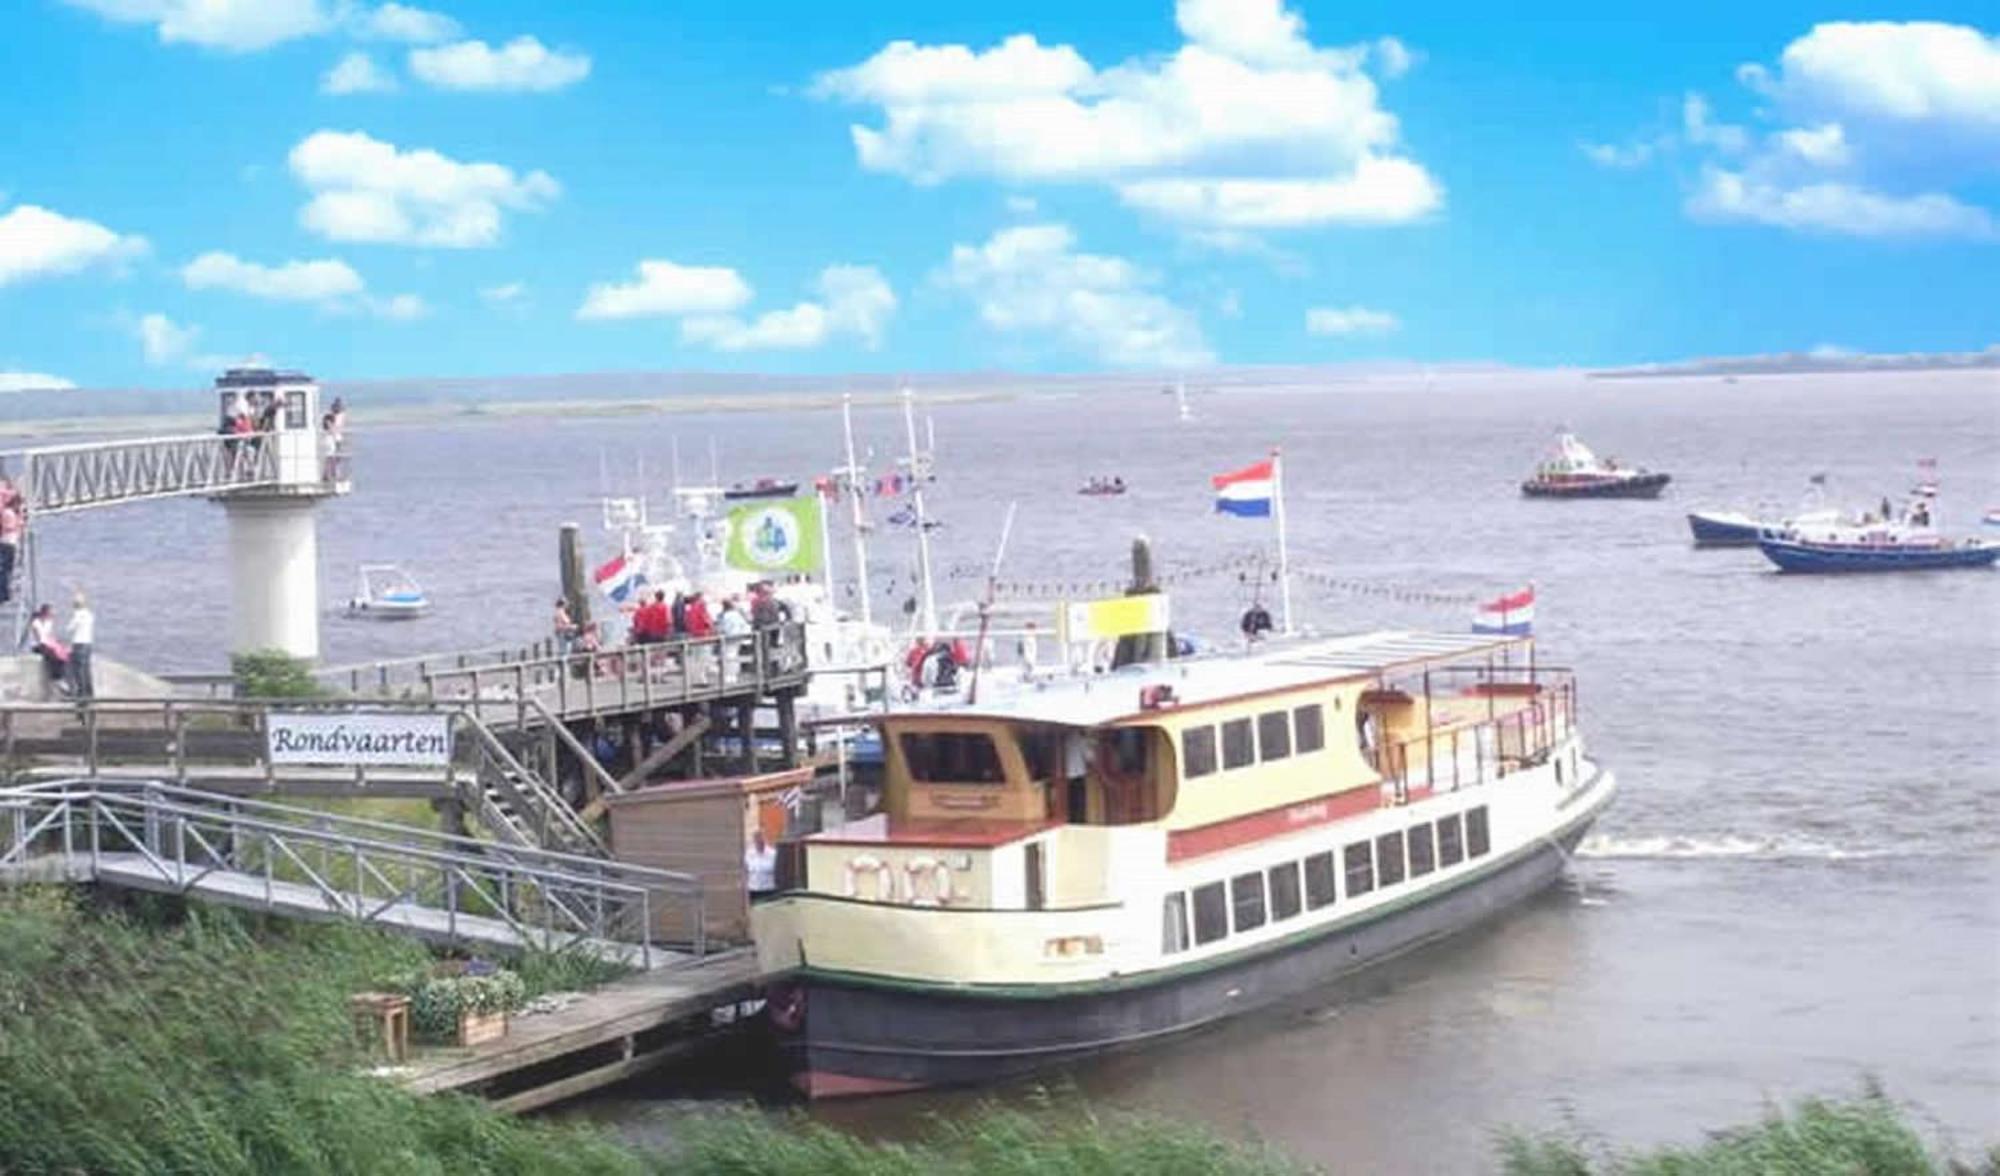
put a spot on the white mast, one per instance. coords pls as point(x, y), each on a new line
point(852, 476)
point(927, 618)
point(1284, 556)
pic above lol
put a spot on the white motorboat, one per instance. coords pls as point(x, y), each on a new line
point(386, 592)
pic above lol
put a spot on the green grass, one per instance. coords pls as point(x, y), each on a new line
point(1863, 1136)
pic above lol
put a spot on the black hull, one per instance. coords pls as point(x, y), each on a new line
point(1643, 486)
point(855, 1038)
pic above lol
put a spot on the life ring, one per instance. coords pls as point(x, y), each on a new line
point(940, 881)
point(885, 878)
point(786, 1008)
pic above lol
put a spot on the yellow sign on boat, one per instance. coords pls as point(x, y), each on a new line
point(1121, 616)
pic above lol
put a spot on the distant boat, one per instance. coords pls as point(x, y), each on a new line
point(1102, 487)
point(762, 488)
point(1910, 545)
point(1991, 518)
point(386, 592)
point(1183, 409)
point(1575, 472)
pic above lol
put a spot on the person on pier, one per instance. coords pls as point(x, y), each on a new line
point(82, 635)
point(696, 621)
point(46, 645)
point(13, 524)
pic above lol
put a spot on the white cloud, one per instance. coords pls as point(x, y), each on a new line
point(1915, 71)
point(1841, 208)
point(1615, 155)
point(321, 281)
point(1247, 123)
point(37, 243)
point(368, 190)
point(1351, 320)
point(169, 345)
point(1699, 126)
point(1022, 205)
point(399, 308)
point(523, 63)
point(32, 382)
point(1393, 57)
point(233, 26)
point(356, 73)
point(1030, 280)
point(400, 22)
point(506, 292)
point(1821, 146)
point(855, 300)
point(665, 289)
point(1379, 192)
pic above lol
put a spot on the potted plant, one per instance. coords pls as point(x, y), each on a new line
point(463, 1001)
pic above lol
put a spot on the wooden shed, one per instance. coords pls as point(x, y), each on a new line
point(702, 827)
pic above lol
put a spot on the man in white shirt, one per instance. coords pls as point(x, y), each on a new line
point(82, 633)
point(760, 867)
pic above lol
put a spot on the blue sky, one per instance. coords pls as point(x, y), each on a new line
point(378, 190)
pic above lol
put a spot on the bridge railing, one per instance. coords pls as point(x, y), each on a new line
point(629, 679)
point(363, 870)
point(62, 478)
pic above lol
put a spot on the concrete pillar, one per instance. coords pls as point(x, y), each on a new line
point(273, 574)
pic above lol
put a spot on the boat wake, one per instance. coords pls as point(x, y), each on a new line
point(1674, 848)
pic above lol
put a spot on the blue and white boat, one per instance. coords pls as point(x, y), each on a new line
point(1876, 547)
point(388, 593)
point(1724, 528)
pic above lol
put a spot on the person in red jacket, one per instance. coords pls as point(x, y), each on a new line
point(699, 623)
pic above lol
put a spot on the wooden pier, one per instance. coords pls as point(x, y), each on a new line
point(611, 1034)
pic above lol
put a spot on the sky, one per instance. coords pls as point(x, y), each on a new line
point(378, 190)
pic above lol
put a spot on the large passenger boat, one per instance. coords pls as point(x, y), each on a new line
point(1092, 863)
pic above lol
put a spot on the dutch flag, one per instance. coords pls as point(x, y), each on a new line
point(619, 578)
point(1247, 492)
point(1512, 615)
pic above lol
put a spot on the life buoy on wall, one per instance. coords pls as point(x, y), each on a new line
point(885, 878)
point(940, 874)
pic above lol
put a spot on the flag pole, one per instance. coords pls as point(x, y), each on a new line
point(852, 477)
point(1284, 556)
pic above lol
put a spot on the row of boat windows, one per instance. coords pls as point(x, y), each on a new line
point(1239, 743)
point(1249, 901)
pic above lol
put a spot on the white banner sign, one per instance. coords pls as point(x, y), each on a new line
point(379, 738)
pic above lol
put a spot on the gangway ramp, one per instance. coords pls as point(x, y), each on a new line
point(64, 479)
point(308, 864)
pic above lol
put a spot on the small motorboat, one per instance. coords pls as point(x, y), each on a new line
point(762, 488)
point(1575, 472)
point(1102, 487)
point(1991, 518)
point(388, 593)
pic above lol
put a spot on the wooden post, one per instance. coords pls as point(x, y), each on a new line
point(788, 727)
point(575, 584)
point(746, 726)
point(696, 767)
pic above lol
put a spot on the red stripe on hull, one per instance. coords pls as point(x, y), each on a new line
point(1261, 826)
point(819, 1084)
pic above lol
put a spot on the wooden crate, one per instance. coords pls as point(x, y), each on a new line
point(479, 1028)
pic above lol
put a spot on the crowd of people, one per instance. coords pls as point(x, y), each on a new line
point(685, 616)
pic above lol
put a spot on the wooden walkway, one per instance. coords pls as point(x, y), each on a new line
point(613, 1033)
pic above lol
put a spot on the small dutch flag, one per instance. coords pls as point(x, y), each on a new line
point(1247, 492)
point(1512, 615)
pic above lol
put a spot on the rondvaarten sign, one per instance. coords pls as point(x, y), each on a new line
point(360, 738)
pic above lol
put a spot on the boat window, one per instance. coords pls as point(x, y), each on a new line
point(1274, 735)
point(1197, 751)
point(1173, 923)
point(951, 757)
point(1451, 850)
point(1423, 850)
point(1237, 750)
point(1127, 746)
point(1360, 869)
point(1309, 728)
point(1042, 749)
point(1389, 859)
point(1476, 837)
point(1246, 893)
point(1319, 880)
point(1211, 913)
point(1284, 891)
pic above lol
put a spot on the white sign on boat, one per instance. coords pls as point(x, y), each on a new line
point(376, 739)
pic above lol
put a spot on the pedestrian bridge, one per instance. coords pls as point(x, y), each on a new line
point(64, 479)
point(309, 864)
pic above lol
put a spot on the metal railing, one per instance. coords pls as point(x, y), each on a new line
point(189, 741)
point(412, 675)
point(1466, 754)
point(306, 862)
point(63, 478)
point(629, 679)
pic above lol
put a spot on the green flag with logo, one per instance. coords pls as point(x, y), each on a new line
point(775, 535)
